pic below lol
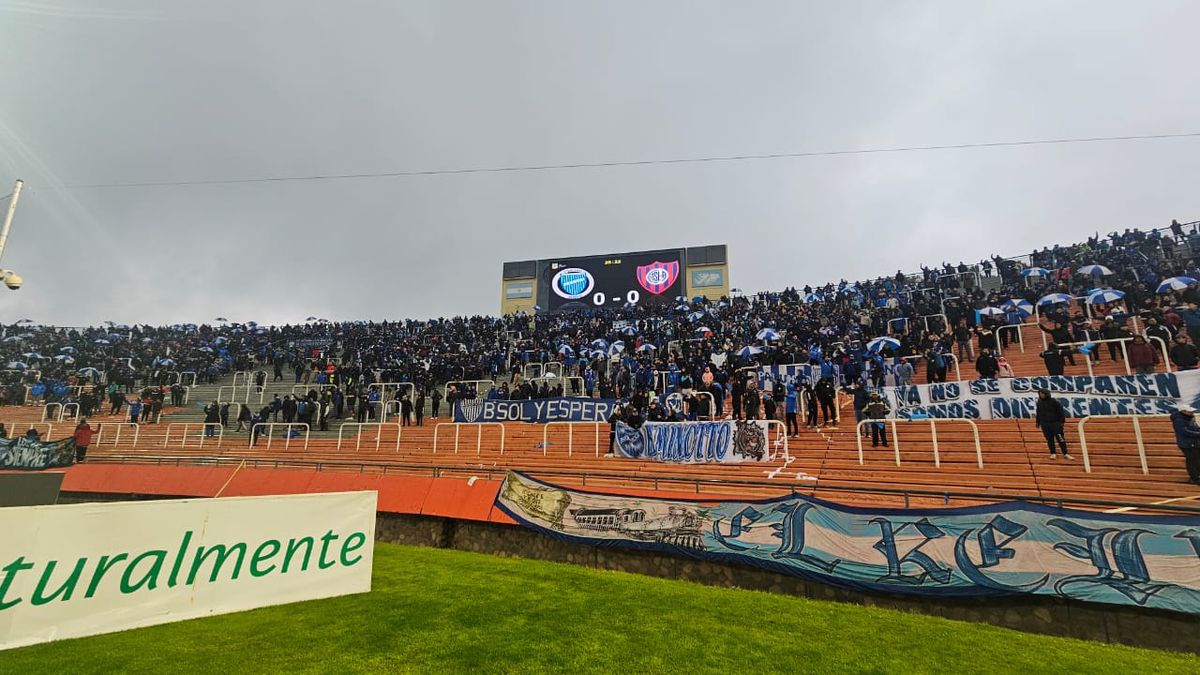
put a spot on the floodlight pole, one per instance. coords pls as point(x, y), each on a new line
point(8, 217)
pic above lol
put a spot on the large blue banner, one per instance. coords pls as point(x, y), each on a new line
point(26, 453)
point(724, 442)
point(797, 373)
point(1002, 549)
point(1016, 397)
point(537, 410)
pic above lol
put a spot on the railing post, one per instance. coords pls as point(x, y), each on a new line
point(1087, 463)
point(858, 434)
point(1137, 433)
point(937, 460)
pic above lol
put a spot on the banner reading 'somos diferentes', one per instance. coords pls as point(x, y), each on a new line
point(82, 569)
point(1016, 397)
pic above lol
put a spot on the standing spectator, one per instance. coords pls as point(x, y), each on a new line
point(83, 438)
point(962, 340)
point(437, 401)
point(861, 399)
point(1051, 418)
point(826, 394)
point(1142, 355)
point(877, 411)
point(987, 366)
point(406, 410)
point(1187, 437)
point(792, 409)
point(1053, 356)
point(1184, 354)
point(420, 408)
point(212, 417)
point(904, 372)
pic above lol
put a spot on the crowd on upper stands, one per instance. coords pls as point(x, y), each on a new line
point(691, 346)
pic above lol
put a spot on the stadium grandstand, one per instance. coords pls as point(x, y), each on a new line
point(377, 396)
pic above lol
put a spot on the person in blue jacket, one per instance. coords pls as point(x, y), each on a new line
point(1187, 437)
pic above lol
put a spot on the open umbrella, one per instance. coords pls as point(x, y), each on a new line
point(167, 362)
point(682, 308)
point(1175, 284)
point(1021, 305)
point(748, 351)
point(88, 372)
point(220, 340)
point(767, 334)
point(695, 316)
point(207, 349)
point(1095, 270)
point(881, 343)
point(1054, 299)
point(1106, 295)
point(24, 321)
point(102, 342)
point(597, 354)
point(67, 350)
point(812, 297)
point(32, 356)
point(17, 365)
point(680, 298)
point(600, 343)
point(12, 338)
point(629, 331)
point(64, 358)
point(566, 350)
point(992, 311)
point(703, 331)
point(1035, 272)
point(616, 347)
point(647, 347)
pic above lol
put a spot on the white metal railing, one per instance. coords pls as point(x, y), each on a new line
point(58, 407)
point(782, 436)
point(398, 386)
point(478, 434)
point(480, 392)
point(570, 436)
point(1137, 434)
point(33, 425)
point(101, 426)
point(537, 370)
point(933, 422)
point(949, 355)
point(245, 374)
point(378, 433)
point(555, 366)
point(194, 381)
point(185, 426)
point(1088, 357)
point(287, 435)
point(1163, 346)
point(62, 412)
point(1020, 337)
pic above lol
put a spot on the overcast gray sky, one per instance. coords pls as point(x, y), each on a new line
point(117, 92)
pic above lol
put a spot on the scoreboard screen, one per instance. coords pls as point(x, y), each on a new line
point(643, 278)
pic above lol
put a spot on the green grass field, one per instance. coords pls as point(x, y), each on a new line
point(448, 611)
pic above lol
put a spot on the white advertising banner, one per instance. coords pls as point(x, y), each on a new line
point(82, 569)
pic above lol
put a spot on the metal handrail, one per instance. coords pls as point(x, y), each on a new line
point(937, 459)
point(570, 436)
point(478, 434)
point(1137, 434)
point(378, 433)
point(794, 488)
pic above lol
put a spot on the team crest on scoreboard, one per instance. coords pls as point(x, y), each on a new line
point(657, 277)
point(572, 283)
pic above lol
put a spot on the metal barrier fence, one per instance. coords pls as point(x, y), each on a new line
point(570, 436)
point(98, 439)
point(937, 459)
point(220, 433)
point(478, 434)
point(378, 433)
point(287, 436)
point(1137, 434)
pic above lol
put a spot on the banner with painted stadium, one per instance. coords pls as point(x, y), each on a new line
point(564, 409)
point(724, 442)
point(1016, 397)
point(30, 454)
point(1000, 549)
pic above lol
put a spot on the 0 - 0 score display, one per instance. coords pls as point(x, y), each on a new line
point(579, 283)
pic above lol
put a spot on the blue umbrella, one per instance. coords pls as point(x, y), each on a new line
point(992, 311)
point(647, 347)
point(680, 298)
point(17, 365)
point(121, 326)
point(748, 351)
point(881, 343)
point(63, 358)
point(12, 338)
point(629, 330)
point(695, 316)
point(68, 350)
point(1106, 295)
point(1054, 299)
point(220, 340)
point(1175, 284)
point(682, 308)
point(206, 349)
point(102, 342)
point(616, 347)
point(1021, 305)
point(698, 298)
point(537, 308)
point(566, 350)
point(167, 362)
point(600, 343)
point(24, 321)
point(598, 354)
point(767, 334)
point(1095, 270)
point(1035, 272)
point(812, 297)
point(88, 372)
point(33, 356)
point(703, 331)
